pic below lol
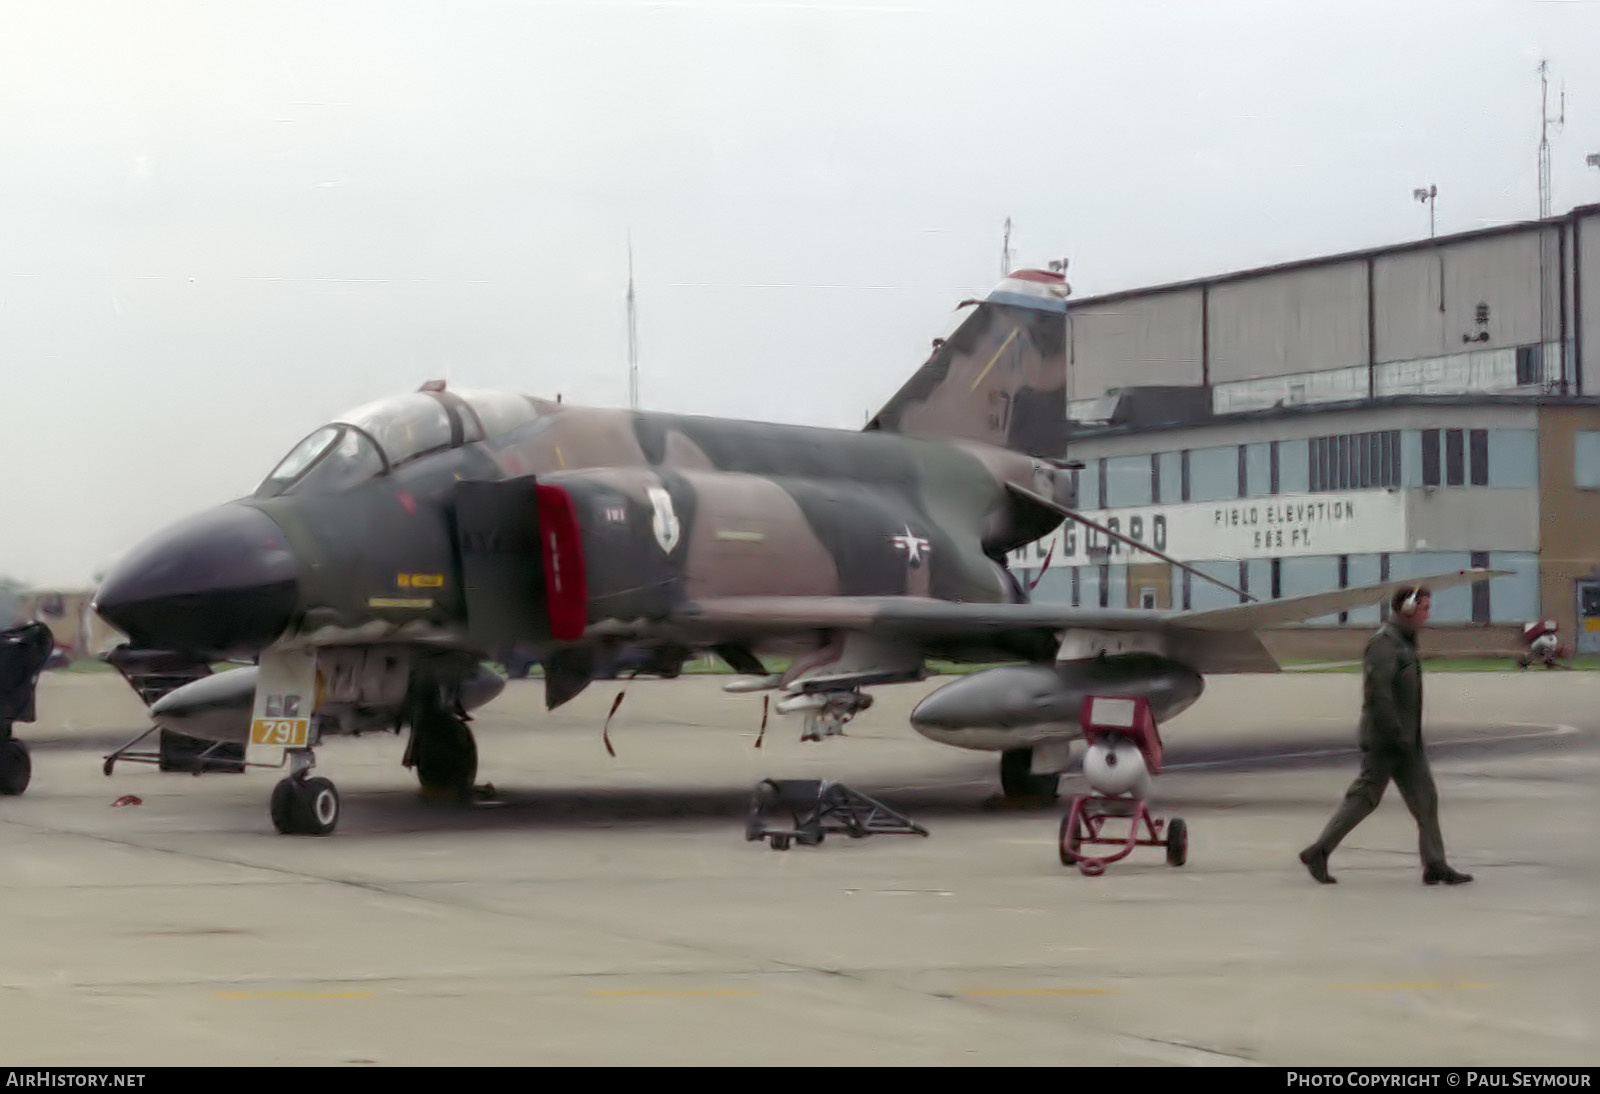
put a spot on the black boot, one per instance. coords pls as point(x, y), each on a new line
point(1433, 875)
point(1316, 861)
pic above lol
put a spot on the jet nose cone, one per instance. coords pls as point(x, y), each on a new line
point(219, 585)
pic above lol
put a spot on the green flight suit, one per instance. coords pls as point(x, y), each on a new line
point(1391, 745)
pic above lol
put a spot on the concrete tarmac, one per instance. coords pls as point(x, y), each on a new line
point(609, 910)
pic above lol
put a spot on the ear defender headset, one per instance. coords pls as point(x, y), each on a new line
point(1408, 606)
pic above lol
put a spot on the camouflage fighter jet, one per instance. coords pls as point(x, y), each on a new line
point(394, 550)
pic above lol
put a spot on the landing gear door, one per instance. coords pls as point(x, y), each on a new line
point(502, 569)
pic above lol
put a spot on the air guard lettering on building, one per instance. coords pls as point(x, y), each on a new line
point(1363, 522)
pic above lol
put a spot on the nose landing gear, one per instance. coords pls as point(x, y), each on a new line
point(304, 805)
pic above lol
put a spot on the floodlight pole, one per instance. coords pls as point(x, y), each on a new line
point(1427, 197)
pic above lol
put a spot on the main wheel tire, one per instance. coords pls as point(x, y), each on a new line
point(1177, 842)
point(1018, 781)
point(445, 756)
point(16, 767)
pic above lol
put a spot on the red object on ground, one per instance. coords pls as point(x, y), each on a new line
point(1102, 716)
point(1106, 717)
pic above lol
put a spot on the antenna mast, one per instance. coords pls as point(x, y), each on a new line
point(1544, 139)
point(633, 338)
point(1005, 251)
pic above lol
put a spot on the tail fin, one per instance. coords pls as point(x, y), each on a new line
point(1001, 378)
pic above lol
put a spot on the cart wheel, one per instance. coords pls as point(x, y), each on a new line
point(1177, 842)
point(780, 843)
point(810, 839)
point(1070, 840)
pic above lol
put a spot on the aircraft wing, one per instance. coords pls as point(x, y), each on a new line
point(1221, 640)
point(1271, 613)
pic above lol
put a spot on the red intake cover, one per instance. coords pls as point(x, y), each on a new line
point(566, 588)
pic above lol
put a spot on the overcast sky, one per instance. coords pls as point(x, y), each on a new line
point(223, 223)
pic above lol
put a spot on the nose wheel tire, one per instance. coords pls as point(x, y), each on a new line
point(305, 807)
point(16, 768)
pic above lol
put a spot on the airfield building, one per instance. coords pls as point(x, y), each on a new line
point(1339, 421)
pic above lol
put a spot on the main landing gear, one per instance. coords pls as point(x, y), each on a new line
point(16, 767)
point(1019, 784)
point(444, 754)
point(304, 805)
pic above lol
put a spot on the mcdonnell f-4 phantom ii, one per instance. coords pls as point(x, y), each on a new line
point(395, 550)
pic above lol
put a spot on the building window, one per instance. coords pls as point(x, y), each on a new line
point(1586, 460)
point(1183, 474)
point(1356, 461)
point(1454, 461)
point(1272, 470)
point(1101, 492)
point(1513, 457)
point(1188, 589)
point(1105, 584)
point(1530, 365)
point(1089, 486)
point(1277, 578)
point(1478, 457)
point(1126, 481)
point(1170, 477)
point(1214, 473)
point(1075, 570)
point(1480, 589)
point(1430, 457)
point(1244, 582)
point(1344, 582)
point(1383, 576)
point(1244, 473)
point(1258, 466)
point(1294, 467)
point(1155, 478)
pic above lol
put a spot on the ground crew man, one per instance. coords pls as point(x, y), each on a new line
point(1391, 744)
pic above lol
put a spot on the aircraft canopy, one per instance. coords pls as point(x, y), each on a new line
point(376, 437)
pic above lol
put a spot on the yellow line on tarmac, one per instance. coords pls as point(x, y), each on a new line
point(1043, 991)
point(294, 995)
point(669, 993)
point(1416, 985)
